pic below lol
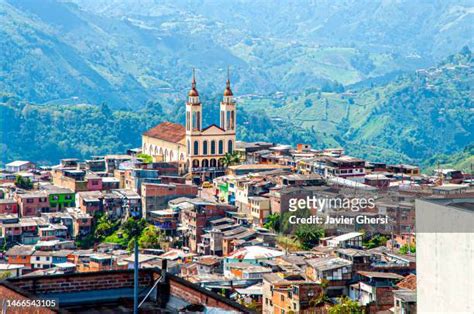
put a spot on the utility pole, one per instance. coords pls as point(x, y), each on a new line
point(135, 279)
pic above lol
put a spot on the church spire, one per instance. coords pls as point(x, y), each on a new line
point(228, 91)
point(193, 91)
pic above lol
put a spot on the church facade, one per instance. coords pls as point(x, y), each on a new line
point(199, 150)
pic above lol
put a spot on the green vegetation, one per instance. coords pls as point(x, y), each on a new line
point(405, 248)
point(146, 158)
point(230, 159)
point(463, 160)
point(410, 118)
point(273, 222)
point(97, 78)
point(23, 183)
point(346, 306)
point(375, 241)
point(308, 236)
point(288, 243)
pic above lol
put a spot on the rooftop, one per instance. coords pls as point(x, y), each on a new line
point(167, 131)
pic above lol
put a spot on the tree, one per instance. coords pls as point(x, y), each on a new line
point(151, 238)
point(308, 235)
point(406, 247)
point(23, 183)
point(346, 306)
point(376, 241)
point(146, 158)
point(134, 227)
point(230, 159)
point(104, 227)
point(273, 222)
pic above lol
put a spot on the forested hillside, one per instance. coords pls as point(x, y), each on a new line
point(126, 53)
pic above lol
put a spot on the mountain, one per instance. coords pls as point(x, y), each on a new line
point(408, 119)
point(125, 53)
point(422, 118)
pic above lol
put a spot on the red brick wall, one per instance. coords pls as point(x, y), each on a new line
point(195, 297)
point(82, 283)
point(6, 293)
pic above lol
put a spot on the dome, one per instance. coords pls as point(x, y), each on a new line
point(228, 92)
point(193, 92)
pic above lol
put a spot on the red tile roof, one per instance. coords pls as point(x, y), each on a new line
point(167, 131)
point(409, 282)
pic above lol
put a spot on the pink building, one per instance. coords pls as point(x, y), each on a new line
point(8, 206)
point(94, 183)
point(32, 203)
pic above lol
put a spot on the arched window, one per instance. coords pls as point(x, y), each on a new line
point(213, 162)
point(229, 147)
point(196, 148)
point(204, 148)
point(165, 157)
point(195, 163)
point(213, 147)
point(189, 148)
point(205, 163)
point(156, 150)
point(181, 157)
point(171, 155)
point(221, 147)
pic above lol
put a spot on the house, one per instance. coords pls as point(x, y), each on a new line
point(20, 255)
point(165, 220)
point(41, 260)
point(32, 203)
point(156, 196)
point(59, 198)
point(11, 270)
point(404, 169)
point(19, 166)
point(335, 270)
point(250, 254)
point(259, 209)
point(375, 290)
point(404, 302)
point(288, 293)
point(348, 240)
point(243, 270)
point(8, 206)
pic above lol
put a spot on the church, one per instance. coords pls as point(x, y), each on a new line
point(198, 150)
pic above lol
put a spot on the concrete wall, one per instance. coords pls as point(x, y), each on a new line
point(445, 259)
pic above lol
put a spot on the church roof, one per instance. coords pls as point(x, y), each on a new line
point(167, 131)
point(213, 125)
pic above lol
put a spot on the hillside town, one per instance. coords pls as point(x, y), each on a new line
point(218, 224)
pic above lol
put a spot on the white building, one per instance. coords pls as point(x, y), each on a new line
point(445, 255)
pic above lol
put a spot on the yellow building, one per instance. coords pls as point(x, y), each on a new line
point(199, 149)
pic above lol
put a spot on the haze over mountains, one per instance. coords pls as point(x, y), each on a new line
point(127, 53)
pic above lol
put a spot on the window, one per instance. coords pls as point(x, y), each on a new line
point(189, 147)
point(196, 148)
point(204, 148)
point(213, 147)
point(221, 147)
point(29, 200)
point(229, 147)
point(282, 297)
